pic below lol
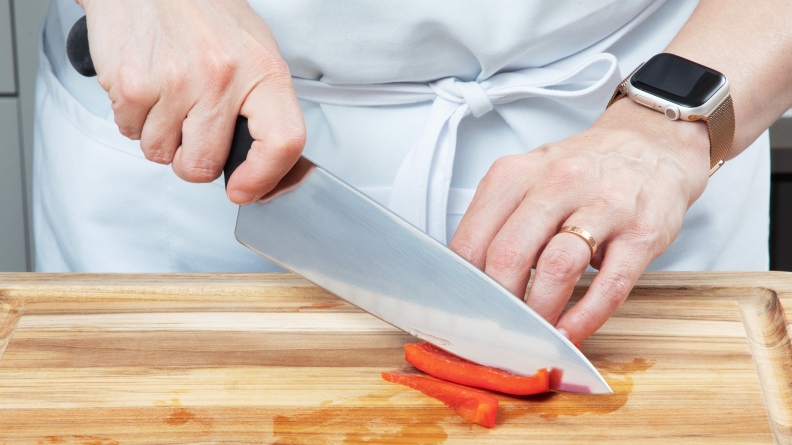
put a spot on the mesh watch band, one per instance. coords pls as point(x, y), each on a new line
point(621, 90)
point(720, 125)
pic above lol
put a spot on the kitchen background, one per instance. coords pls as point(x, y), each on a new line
point(19, 25)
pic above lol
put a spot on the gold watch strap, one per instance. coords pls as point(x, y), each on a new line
point(621, 90)
point(720, 125)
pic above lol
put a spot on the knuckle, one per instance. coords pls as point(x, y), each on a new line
point(271, 65)
point(466, 249)
point(199, 174)
point(586, 319)
point(544, 149)
point(500, 173)
point(128, 88)
point(157, 157)
point(155, 152)
point(200, 170)
point(615, 288)
point(125, 127)
point(129, 131)
point(557, 264)
point(504, 166)
point(219, 69)
point(104, 80)
point(281, 148)
point(504, 254)
point(645, 234)
point(503, 163)
point(565, 171)
point(293, 144)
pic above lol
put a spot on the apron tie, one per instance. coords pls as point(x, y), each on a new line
point(472, 93)
point(421, 188)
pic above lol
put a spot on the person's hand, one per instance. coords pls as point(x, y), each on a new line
point(628, 180)
point(179, 72)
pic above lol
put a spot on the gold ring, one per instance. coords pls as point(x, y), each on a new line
point(583, 234)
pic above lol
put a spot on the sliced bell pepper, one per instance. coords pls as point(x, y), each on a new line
point(475, 406)
point(443, 365)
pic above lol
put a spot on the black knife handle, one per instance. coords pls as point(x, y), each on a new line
point(80, 57)
point(78, 50)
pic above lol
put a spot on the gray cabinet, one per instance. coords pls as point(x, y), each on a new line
point(7, 71)
point(13, 249)
point(20, 21)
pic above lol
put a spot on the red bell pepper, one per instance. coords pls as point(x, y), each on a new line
point(475, 406)
point(443, 365)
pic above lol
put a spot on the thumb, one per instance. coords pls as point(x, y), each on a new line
point(277, 126)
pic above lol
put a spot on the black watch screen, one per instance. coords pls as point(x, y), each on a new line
point(678, 80)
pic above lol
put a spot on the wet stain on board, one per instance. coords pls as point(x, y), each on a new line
point(550, 406)
point(340, 425)
point(349, 421)
point(637, 365)
point(363, 420)
point(179, 417)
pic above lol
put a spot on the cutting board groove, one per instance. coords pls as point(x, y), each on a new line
point(270, 358)
point(766, 329)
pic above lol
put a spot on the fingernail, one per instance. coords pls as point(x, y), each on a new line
point(564, 332)
point(240, 197)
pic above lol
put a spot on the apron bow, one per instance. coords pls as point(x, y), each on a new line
point(421, 188)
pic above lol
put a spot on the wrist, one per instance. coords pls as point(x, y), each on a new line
point(688, 140)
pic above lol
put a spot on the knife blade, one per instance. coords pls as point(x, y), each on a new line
point(314, 224)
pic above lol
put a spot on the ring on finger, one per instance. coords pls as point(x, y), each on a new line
point(584, 235)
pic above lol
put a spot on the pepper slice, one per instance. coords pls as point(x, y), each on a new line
point(443, 365)
point(475, 406)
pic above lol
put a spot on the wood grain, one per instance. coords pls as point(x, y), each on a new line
point(253, 359)
point(10, 314)
point(275, 288)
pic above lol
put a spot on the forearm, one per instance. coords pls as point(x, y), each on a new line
point(750, 42)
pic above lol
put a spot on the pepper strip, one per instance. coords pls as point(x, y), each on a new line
point(475, 406)
point(443, 365)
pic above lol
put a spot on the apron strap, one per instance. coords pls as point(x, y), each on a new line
point(421, 189)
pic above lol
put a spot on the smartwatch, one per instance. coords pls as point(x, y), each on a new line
point(684, 90)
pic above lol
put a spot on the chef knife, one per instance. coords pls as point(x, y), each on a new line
point(316, 225)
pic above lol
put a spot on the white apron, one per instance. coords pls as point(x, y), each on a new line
point(411, 104)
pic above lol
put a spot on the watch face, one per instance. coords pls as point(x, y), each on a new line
point(678, 80)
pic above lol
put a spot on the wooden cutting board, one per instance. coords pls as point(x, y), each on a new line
point(271, 359)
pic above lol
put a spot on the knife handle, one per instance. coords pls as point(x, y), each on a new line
point(79, 53)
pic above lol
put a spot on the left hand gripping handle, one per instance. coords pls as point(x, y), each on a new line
point(79, 53)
